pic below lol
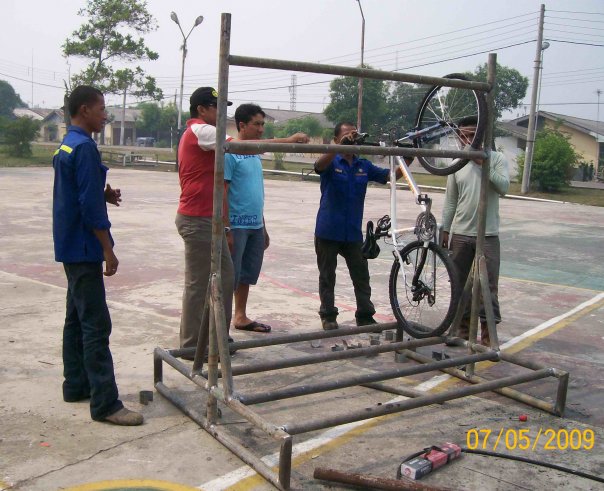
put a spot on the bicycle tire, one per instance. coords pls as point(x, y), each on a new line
point(462, 102)
point(417, 316)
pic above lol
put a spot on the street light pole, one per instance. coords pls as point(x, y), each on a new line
point(360, 104)
point(530, 136)
point(198, 21)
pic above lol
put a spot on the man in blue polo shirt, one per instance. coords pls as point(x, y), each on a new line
point(344, 179)
point(82, 242)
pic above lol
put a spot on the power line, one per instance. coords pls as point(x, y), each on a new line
point(573, 42)
point(30, 82)
point(573, 12)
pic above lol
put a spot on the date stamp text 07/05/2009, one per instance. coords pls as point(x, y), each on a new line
point(526, 439)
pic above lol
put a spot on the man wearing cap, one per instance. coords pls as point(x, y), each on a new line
point(196, 153)
point(460, 216)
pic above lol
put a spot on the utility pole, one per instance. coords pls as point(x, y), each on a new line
point(597, 163)
point(530, 136)
point(360, 104)
point(292, 93)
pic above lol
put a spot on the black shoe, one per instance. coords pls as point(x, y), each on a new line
point(365, 321)
point(329, 324)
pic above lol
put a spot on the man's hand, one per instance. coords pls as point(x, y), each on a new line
point(298, 138)
point(444, 240)
point(111, 262)
point(113, 196)
point(348, 138)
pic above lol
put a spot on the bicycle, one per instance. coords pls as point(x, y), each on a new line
point(423, 286)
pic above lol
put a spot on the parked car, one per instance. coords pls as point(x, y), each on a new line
point(145, 141)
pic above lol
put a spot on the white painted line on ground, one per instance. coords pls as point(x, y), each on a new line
point(233, 477)
point(111, 303)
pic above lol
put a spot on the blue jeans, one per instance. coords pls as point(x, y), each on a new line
point(248, 254)
point(87, 361)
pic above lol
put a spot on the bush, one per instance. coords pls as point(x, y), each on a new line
point(554, 159)
point(18, 135)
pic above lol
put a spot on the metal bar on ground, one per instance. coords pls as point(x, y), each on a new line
point(300, 66)
point(397, 407)
point(342, 382)
point(312, 335)
point(219, 434)
point(401, 391)
point(366, 481)
point(265, 366)
point(505, 391)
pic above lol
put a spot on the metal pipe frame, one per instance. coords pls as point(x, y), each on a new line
point(217, 330)
point(258, 147)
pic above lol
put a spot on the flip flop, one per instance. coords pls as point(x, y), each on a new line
point(255, 327)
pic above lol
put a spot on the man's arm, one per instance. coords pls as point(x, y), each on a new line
point(499, 174)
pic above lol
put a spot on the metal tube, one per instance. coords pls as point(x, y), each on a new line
point(561, 395)
point(401, 391)
point(158, 368)
point(181, 368)
point(300, 66)
point(487, 300)
point(342, 382)
point(212, 405)
point(243, 453)
point(375, 411)
point(285, 462)
point(483, 203)
point(265, 366)
point(365, 481)
point(222, 338)
point(254, 418)
point(309, 336)
point(260, 147)
point(506, 391)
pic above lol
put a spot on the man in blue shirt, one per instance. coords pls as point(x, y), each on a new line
point(82, 242)
point(344, 179)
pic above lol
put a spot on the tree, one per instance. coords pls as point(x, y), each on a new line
point(308, 124)
point(403, 103)
point(510, 87)
point(553, 160)
point(344, 100)
point(157, 121)
point(105, 39)
point(9, 100)
point(18, 135)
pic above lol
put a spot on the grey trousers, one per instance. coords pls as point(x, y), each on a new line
point(196, 233)
point(463, 249)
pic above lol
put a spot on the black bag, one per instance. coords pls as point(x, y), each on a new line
point(370, 247)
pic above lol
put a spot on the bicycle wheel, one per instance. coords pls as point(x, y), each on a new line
point(441, 110)
point(424, 289)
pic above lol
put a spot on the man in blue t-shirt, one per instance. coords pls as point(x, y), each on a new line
point(245, 189)
point(344, 179)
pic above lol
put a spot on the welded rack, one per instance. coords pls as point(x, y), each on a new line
point(214, 331)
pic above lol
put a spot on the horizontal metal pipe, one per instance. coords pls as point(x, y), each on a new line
point(257, 420)
point(300, 66)
point(375, 411)
point(505, 391)
point(533, 365)
point(401, 391)
point(311, 335)
point(260, 147)
point(366, 481)
point(180, 367)
point(243, 453)
point(343, 382)
point(265, 366)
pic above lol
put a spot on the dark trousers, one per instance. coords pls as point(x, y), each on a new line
point(463, 250)
point(327, 261)
point(87, 361)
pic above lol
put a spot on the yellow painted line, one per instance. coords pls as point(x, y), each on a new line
point(134, 484)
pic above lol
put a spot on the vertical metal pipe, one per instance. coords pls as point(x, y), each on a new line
point(530, 136)
point(487, 300)
point(482, 205)
point(285, 462)
point(560, 404)
point(158, 369)
point(217, 222)
point(360, 100)
point(212, 404)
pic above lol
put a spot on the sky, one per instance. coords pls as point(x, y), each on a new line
point(412, 36)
